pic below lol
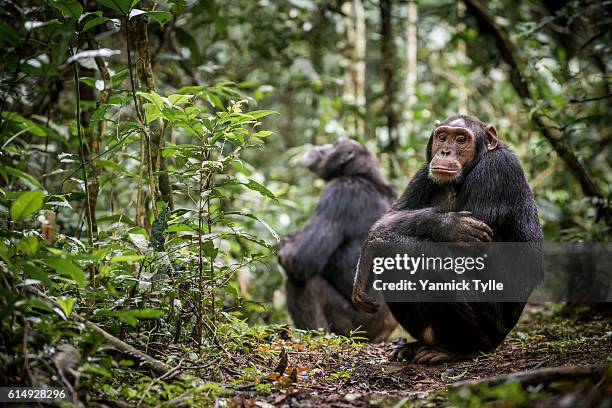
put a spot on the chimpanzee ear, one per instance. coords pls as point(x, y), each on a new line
point(346, 157)
point(491, 137)
point(437, 123)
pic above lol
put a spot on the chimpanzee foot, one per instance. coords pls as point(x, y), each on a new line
point(431, 355)
point(402, 350)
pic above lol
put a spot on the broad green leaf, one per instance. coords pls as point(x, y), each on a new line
point(39, 274)
point(99, 114)
point(178, 99)
point(215, 101)
point(118, 78)
point(152, 112)
point(70, 7)
point(94, 22)
point(263, 133)
point(67, 268)
point(126, 258)
point(261, 189)
point(261, 113)
point(122, 6)
point(66, 304)
point(153, 97)
point(28, 245)
point(27, 204)
point(162, 17)
point(8, 36)
point(24, 124)
point(23, 176)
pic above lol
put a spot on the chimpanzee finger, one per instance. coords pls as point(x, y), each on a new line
point(479, 229)
point(481, 235)
point(440, 357)
point(424, 357)
point(479, 224)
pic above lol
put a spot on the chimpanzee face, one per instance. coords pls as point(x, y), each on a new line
point(455, 145)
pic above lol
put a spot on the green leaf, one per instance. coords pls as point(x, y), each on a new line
point(215, 101)
point(67, 268)
point(23, 176)
point(261, 113)
point(118, 78)
point(178, 99)
point(94, 22)
point(28, 245)
point(99, 114)
point(162, 17)
point(122, 6)
point(27, 204)
point(152, 112)
point(261, 189)
point(253, 216)
point(66, 304)
point(153, 97)
point(131, 316)
point(69, 7)
point(24, 124)
point(126, 258)
point(8, 36)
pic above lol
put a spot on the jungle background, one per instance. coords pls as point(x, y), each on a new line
point(151, 158)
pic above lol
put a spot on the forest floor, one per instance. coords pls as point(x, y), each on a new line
point(362, 376)
point(287, 367)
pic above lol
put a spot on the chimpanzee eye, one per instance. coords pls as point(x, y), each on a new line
point(461, 139)
point(442, 137)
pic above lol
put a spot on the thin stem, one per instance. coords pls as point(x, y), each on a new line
point(82, 149)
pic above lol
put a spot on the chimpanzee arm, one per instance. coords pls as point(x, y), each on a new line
point(306, 253)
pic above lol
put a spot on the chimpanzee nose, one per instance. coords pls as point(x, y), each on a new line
point(445, 152)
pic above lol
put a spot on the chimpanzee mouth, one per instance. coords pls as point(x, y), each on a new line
point(445, 170)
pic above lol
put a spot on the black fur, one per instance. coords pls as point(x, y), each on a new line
point(320, 259)
point(495, 191)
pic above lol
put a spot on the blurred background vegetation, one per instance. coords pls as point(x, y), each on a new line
point(148, 198)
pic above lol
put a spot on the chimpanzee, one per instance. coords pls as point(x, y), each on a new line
point(472, 189)
point(320, 259)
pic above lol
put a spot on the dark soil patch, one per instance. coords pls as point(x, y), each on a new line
point(362, 376)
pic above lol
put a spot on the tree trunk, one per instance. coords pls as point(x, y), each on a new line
point(388, 75)
point(155, 161)
point(411, 62)
point(354, 82)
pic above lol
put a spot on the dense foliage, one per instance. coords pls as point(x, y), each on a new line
point(150, 152)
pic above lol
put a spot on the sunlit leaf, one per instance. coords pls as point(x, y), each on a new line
point(27, 204)
point(261, 189)
point(66, 304)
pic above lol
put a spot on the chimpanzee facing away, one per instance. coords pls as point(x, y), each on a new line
point(472, 189)
point(320, 259)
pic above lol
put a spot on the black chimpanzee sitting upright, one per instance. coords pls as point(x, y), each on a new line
point(320, 259)
point(472, 189)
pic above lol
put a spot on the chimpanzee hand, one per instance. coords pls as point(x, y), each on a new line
point(364, 302)
point(462, 227)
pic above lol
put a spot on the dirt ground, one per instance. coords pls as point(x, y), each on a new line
point(362, 376)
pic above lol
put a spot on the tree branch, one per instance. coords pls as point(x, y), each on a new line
point(510, 55)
